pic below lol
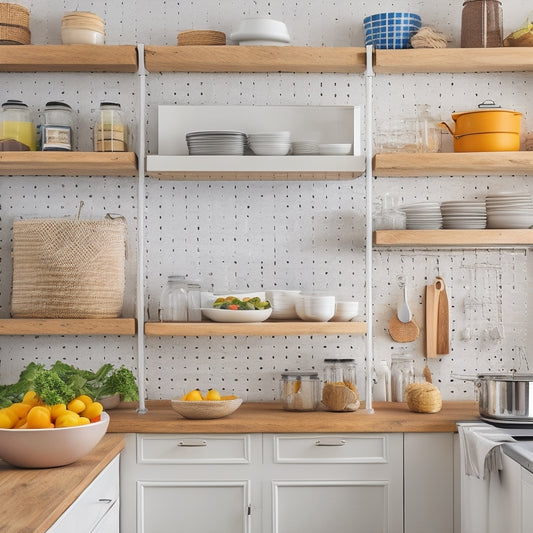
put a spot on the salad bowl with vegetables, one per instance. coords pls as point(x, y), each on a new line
point(234, 309)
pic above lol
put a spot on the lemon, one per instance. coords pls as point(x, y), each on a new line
point(76, 405)
point(212, 394)
point(194, 396)
point(39, 418)
point(92, 411)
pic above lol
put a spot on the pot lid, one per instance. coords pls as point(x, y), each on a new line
point(483, 107)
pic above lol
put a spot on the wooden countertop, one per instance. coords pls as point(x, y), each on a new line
point(33, 499)
point(269, 417)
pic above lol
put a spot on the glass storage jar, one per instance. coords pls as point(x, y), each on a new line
point(194, 301)
point(339, 392)
point(300, 391)
point(57, 127)
point(402, 373)
point(482, 24)
point(173, 302)
point(17, 131)
point(110, 130)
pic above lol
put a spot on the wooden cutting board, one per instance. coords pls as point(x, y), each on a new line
point(443, 321)
point(437, 319)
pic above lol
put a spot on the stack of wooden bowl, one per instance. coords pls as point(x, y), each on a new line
point(82, 27)
point(14, 24)
point(201, 38)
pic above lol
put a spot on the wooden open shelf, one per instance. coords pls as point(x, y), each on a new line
point(459, 237)
point(268, 328)
point(437, 60)
point(68, 58)
point(254, 59)
point(68, 163)
point(68, 326)
point(453, 164)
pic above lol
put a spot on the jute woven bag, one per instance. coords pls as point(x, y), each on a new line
point(68, 268)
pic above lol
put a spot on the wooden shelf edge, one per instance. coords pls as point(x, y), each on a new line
point(450, 60)
point(452, 164)
point(268, 328)
point(68, 326)
point(52, 163)
point(68, 58)
point(448, 237)
point(255, 59)
point(254, 176)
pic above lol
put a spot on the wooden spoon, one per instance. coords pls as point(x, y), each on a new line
point(403, 331)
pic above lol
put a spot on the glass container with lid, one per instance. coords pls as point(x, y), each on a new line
point(17, 131)
point(174, 302)
point(300, 391)
point(56, 130)
point(110, 129)
point(482, 24)
point(402, 374)
point(339, 392)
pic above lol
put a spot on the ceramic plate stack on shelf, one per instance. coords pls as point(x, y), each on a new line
point(272, 143)
point(304, 148)
point(261, 32)
point(335, 149)
point(423, 215)
point(216, 142)
point(509, 210)
point(201, 38)
point(464, 214)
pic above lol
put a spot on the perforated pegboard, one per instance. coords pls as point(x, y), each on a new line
point(265, 234)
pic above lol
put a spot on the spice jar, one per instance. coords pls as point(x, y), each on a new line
point(339, 392)
point(402, 374)
point(482, 24)
point(173, 301)
point(17, 131)
point(110, 130)
point(299, 391)
point(56, 131)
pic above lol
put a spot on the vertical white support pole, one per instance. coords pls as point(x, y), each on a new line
point(369, 76)
point(141, 363)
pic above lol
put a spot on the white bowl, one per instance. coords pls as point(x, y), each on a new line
point(345, 311)
point(46, 448)
point(315, 307)
point(270, 149)
point(335, 149)
point(205, 409)
point(283, 304)
point(237, 315)
point(81, 36)
point(261, 28)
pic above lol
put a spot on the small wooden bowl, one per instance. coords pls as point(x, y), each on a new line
point(205, 409)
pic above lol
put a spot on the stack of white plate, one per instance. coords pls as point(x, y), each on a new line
point(423, 215)
point(271, 143)
point(509, 210)
point(304, 148)
point(261, 31)
point(216, 142)
point(335, 149)
point(464, 214)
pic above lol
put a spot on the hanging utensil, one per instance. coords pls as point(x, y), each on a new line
point(404, 312)
point(432, 317)
point(402, 326)
point(443, 321)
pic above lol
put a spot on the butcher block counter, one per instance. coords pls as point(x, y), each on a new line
point(33, 499)
point(270, 417)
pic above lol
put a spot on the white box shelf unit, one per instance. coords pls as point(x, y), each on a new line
point(325, 124)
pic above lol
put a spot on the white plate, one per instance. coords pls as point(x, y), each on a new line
point(232, 315)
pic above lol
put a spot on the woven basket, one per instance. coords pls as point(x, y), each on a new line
point(68, 268)
point(14, 35)
point(423, 397)
point(14, 15)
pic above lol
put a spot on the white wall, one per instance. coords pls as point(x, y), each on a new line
point(240, 235)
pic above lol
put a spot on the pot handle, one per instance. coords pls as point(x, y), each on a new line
point(489, 104)
point(466, 377)
point(444, 125)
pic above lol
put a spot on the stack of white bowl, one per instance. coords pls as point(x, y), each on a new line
point(509, 210)
point(304, 147)
point(464, 214)
point(335, 149)
point(345, 311)
point(315, 307)
point(270, 143)
point(423, 215)
point(261, 31)
point(82, 27)
point(283, 304)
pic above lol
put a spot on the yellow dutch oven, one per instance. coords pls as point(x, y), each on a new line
point(487, 129)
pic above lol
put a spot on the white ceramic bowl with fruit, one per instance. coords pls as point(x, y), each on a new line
point(46, 448)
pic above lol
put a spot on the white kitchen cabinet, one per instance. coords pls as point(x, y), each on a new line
point(96, 510)
point(331, 482)
point(526, 501)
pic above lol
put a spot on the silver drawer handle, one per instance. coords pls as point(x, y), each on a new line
point(105, 500)
point(192, 442)
point(330, 442)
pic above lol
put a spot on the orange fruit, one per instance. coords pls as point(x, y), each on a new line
point(67, 419)
point(83, 421)
point(93, 410)
point(57, 410)
point(5, 420)
point(21, 409)
point(76, 405)
point(31, 398)
point(39, 417)
point(87, 400)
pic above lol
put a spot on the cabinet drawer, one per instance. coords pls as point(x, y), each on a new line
point(92, 504)
point(193, 449)
point(328, 448)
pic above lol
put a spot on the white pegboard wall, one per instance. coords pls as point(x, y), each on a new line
point(263, 234)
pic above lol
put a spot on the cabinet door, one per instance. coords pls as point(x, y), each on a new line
point(110, 523)
point(527, 498)
point(202, 507)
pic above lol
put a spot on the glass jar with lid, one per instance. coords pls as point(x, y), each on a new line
point(57, 127)
point(402, 374)
point(17, 131)
point(482, 24)
point(173, 302)
point(300, 391)
point(110, 129)
point(339, 392)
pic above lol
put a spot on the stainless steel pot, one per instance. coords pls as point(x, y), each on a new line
point(504, 396)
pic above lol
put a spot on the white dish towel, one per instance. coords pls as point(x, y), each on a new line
point(481, 444)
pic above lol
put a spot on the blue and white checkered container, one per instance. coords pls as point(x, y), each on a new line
point(391, 30)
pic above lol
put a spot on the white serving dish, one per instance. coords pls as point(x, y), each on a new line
point(81, 36)
point(236, 315)
point(47, 448)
